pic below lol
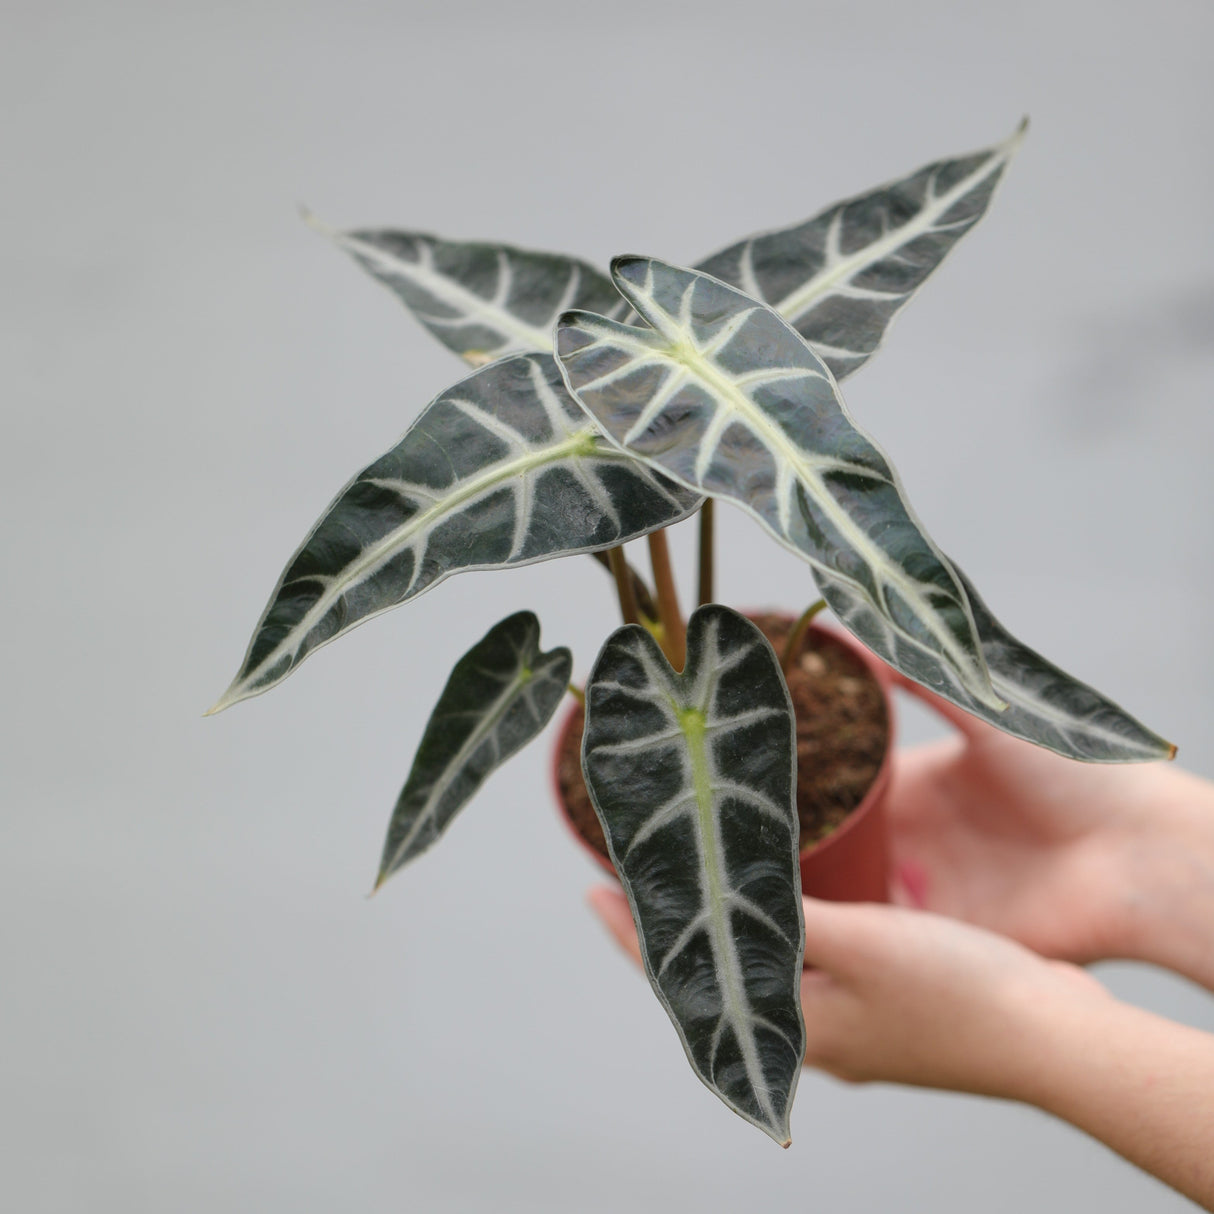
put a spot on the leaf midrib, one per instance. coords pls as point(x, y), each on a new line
point(399, 538)
point(448, 291)
point(733, 996)
point(522, 675)
point(796, 303)
point(692, 364)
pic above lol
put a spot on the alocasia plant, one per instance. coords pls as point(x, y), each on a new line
point(605, 408)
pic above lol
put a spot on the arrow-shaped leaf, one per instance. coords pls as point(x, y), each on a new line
point(728, 399)
point(841, 277)
point(501, 469)
point(693, 777)
point(1045, 705)
point(484, 301)
point(500, 695)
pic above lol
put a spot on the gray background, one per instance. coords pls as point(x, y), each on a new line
point(200, 1010)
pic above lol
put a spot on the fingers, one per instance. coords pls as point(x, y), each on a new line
point(843, 940)
point(836, 997)
point(612, 908)
point(838, 935)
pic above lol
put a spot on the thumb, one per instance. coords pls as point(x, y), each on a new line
point(839, 934)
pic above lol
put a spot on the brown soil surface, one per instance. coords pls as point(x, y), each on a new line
point(842, 732)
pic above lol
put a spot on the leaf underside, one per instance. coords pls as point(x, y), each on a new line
point(499, 696)
point(693, 777)
point(1046, 705)
point(502, 469)
point(841, 277)
point(726, 398)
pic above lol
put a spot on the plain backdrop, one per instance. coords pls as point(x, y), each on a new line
point(201, 1010)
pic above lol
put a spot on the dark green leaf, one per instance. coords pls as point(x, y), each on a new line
point(500, 695)
point(1045, 705)
point(484, 301)
point(724, 396)
point(693, 777)
point(502, 469)
point(841, 277)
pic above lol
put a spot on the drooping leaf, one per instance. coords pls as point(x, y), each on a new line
point(501, 469)
point(500, 695)
point(1046, 705)
point(693, 777)
point(484, 301)
point(724, 396)
point(841, 277)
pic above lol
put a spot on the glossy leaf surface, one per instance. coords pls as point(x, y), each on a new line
point(502, 469)
point(484, 301)
point(1046, 705)
point(500, 695)
point(841, 277)
point(693, 777)
point(723, 395)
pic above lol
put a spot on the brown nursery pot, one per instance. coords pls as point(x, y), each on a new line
point(843, 759)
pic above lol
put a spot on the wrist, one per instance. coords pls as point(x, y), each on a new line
point(1050, 1024)
point(1162, 880)
point(1141, 1085)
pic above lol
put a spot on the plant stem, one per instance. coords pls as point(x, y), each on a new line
point(707, 554)
point(793, 645)
point(644, 596)
point(623, 586)
point(674, 632)
point(578, 694)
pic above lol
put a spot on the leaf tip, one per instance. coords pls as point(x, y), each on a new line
point(570, 334)
point(630, 268)
point(317, 225)
point(229, 697)
point(1016, 138)
point(778, 1131)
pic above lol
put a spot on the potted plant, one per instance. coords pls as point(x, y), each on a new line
point(604, 409)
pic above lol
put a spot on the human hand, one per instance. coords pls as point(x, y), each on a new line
point(905, 996)
point(896, 995)
point(1071, 859)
